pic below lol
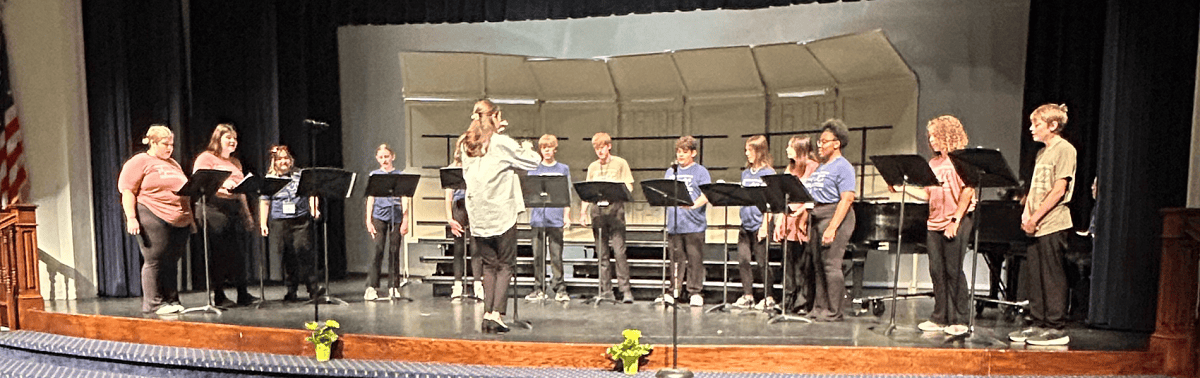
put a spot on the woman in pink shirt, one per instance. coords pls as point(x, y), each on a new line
point(157, 216)
point(798, 285)
point(229, 220)
point(951, 207)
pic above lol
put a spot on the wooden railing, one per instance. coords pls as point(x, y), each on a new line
point(18, 264)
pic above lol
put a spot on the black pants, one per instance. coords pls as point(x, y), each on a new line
point(687, 260)
point(1047, 281)
point(498, 254)
point(227, 238)
point(799, 280)
point(162, 246)
point(291, 238)
point(830, 298)
point(951, 292)
point(554, 235)
point(608, 229)
point(392, 233)
point(459, 211)
point(748, 246)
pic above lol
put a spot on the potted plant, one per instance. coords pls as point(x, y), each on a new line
point(630, 353)
point(322, 337)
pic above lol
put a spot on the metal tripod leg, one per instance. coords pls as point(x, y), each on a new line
point(209, 306)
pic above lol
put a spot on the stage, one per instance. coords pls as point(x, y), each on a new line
point(574, 334)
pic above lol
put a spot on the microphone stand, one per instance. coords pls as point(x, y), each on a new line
point(674, 371)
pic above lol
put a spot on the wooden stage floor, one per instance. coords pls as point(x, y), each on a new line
point(574, 334)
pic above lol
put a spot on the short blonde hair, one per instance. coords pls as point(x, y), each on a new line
point(1052, 113)
point(156, 134)
point(384, 146)
point(947, 133)
point(548, 140)
point(601, 139)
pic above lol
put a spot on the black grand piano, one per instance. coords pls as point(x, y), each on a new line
point(1001, 242)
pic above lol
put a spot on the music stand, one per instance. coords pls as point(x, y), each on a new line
point(394, 186)
point(452, 178)
point(549, 191)
point(204, 182)
point(601, 193)
point(327, 183)
point(783, 189)
point(673, 193)
point(267, 186)
point(250, 186)
point(726, 195)
point(981, 168)
point(902, 170)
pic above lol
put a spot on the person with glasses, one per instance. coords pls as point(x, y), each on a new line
point(832, 189)
point(290, 216)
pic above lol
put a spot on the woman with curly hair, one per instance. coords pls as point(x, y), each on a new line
point(951, 213)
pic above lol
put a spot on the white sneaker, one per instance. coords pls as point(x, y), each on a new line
point(536, 295)
point(746, 301)
point(169, 309)
point(697, 300)
point(456, 291)
point(1020, 335)
point(479, 290)
point(765, 304)
point(956, 330)
point(930, 326)
point(395, 292)
point(370, 294)
point(562, 296)
point(665, 298)
point(1049, 337)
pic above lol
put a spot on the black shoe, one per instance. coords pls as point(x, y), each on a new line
point(492, 326)
point(291, 295)
point(220, 300)
point(246, 299)
point(315, 293)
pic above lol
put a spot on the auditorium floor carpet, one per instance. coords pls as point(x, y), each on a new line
point(577, 322)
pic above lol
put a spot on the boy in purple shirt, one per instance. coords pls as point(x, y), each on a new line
point(547, 224)
point(686, 225)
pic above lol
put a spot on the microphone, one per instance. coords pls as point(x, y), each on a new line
point(674, 164)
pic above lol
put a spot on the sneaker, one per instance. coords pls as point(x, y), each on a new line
point(395, 292)
point(370, 294)
point(479, 290)
point(562, 296)
point(626, 296)
point(746, 301)
point(169, 309)
point(767, 303)
point(930, 326)
point(536, 295)
point(697, 300)
point(1021, 335)
point(456, 291)
point(1049, 337)
point(956, 330)
point(665, 298)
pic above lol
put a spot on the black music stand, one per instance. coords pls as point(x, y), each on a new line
point(452, 178)
point(396, 187)
point(601, 193)
point(902, 170)
point(267, 186)
point(783, 189)
point(550, 191)
point(668, 193)
point(726, 195)
point(672, 193)
point(327, 183)
point(981, 168)
point(204, 182)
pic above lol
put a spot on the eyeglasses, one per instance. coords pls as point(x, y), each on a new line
point(823, 141)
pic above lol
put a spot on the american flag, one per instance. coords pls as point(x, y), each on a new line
point(14, 183)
